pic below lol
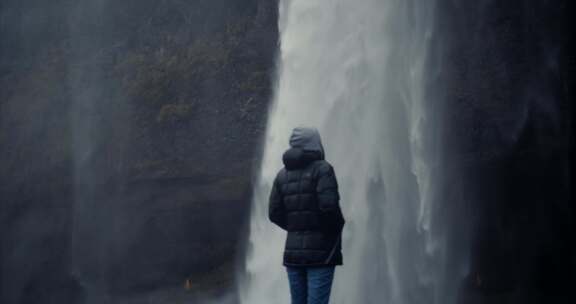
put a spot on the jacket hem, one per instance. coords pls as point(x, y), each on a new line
point(312, 264)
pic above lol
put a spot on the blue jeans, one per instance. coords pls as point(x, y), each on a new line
point(310, 285)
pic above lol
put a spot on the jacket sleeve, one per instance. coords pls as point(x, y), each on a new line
point(331, 219)
point(276, 211)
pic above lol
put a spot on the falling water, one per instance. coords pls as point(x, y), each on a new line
point(92, 215)
point(358, 71)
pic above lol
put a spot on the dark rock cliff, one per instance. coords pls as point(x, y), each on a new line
point(508, 92)
point(129, 131)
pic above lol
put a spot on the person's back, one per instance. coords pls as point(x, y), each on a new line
point(305, 202)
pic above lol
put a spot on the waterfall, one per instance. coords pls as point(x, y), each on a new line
point(357, 71)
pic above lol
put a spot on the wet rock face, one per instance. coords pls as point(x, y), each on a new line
point(509, 106)
point(129, 131)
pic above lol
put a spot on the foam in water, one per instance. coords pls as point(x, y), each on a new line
point(357, 70)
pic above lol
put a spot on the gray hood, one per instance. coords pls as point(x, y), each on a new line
point(307, 139)
point(305, 146)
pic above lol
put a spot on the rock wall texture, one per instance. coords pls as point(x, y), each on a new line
point(508, 91)
point(129, 131)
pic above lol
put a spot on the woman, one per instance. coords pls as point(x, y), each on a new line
point(305, 202)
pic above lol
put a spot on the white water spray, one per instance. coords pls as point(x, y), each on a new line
point(357, 71)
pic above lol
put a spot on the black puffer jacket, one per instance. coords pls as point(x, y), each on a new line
point(305, 202)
